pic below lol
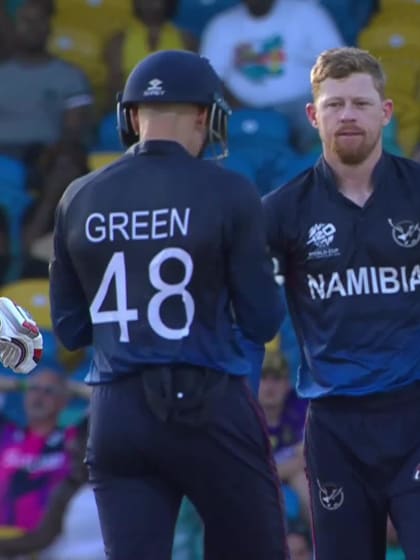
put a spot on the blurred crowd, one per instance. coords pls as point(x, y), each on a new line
point(62, 63)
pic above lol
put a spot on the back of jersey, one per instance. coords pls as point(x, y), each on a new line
point(164, 246)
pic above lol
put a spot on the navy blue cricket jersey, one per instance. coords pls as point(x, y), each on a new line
point(156, 258)
point(352, 278)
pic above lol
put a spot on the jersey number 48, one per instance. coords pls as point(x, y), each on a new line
point(116, 270)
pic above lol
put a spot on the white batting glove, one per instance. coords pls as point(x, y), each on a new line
point(20, 339)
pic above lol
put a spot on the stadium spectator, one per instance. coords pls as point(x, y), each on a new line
point(33, 458)
point(42, 99)
point(151, 29)
point(27, 205)
point(69, 528)
point(285, 415)
point(263, 51)
point(59, 165)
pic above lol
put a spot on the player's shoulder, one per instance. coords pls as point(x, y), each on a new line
point(85, 182)
point(402, 175)
point(401, 163)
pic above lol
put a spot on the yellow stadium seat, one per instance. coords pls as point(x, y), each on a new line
point(405, 9)
point(396, 42)
point(396, 34)
point(33, 295)
point(80, 30)
point(96, 160)
point(103, 17)
point(407, 111)
point(80, 47)
point(402, 73)
point(393, 37)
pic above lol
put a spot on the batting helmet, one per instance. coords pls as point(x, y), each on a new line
point(174, 76)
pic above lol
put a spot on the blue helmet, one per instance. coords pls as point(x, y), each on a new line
point(174, 76)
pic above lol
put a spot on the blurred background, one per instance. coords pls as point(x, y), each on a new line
point(62, 63)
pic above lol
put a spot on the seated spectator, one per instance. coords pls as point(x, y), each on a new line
point(285, 414)
point(151, 30)
point(69, 528)
point(80, 536)
point(263, 50)
point(80, 29)
point(27, 206)
point(34, 458)
point(43, 100)
point(59, 165)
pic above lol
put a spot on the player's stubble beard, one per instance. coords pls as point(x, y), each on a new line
point(354, 155)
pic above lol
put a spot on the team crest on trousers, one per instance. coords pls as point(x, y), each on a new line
point(330, 495)
point(405, 233)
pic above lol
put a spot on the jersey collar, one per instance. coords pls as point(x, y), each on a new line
point(157, 147)
point(325, 175)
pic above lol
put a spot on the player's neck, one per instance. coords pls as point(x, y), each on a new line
point(355, 181)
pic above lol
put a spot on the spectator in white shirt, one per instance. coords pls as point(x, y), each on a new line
point(263, 50)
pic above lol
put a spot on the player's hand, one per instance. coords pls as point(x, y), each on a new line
point(20, 339)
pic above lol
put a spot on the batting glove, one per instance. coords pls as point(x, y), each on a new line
point(20, 339)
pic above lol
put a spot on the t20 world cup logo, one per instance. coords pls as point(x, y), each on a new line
point(321, 235)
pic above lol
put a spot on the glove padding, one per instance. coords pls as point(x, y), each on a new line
point(20, 339)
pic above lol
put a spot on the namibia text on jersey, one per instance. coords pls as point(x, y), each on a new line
point(364, 281)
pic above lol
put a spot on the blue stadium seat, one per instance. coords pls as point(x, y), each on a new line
point(14, 197)
point(107, 135)
point(291, 503)
point(257, 138)
point(246, 126)
point(236, 162)
point(350, 16)
point(390, 138)
point(14, 201)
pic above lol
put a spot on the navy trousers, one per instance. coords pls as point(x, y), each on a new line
point(363, 464)
point(142, 462)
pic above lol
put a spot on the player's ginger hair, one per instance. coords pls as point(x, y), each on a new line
point(342, 62)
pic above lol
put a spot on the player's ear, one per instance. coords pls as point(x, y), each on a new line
point(311, 114)
point(134, 119)
point(202, 116)
point(388, 109)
